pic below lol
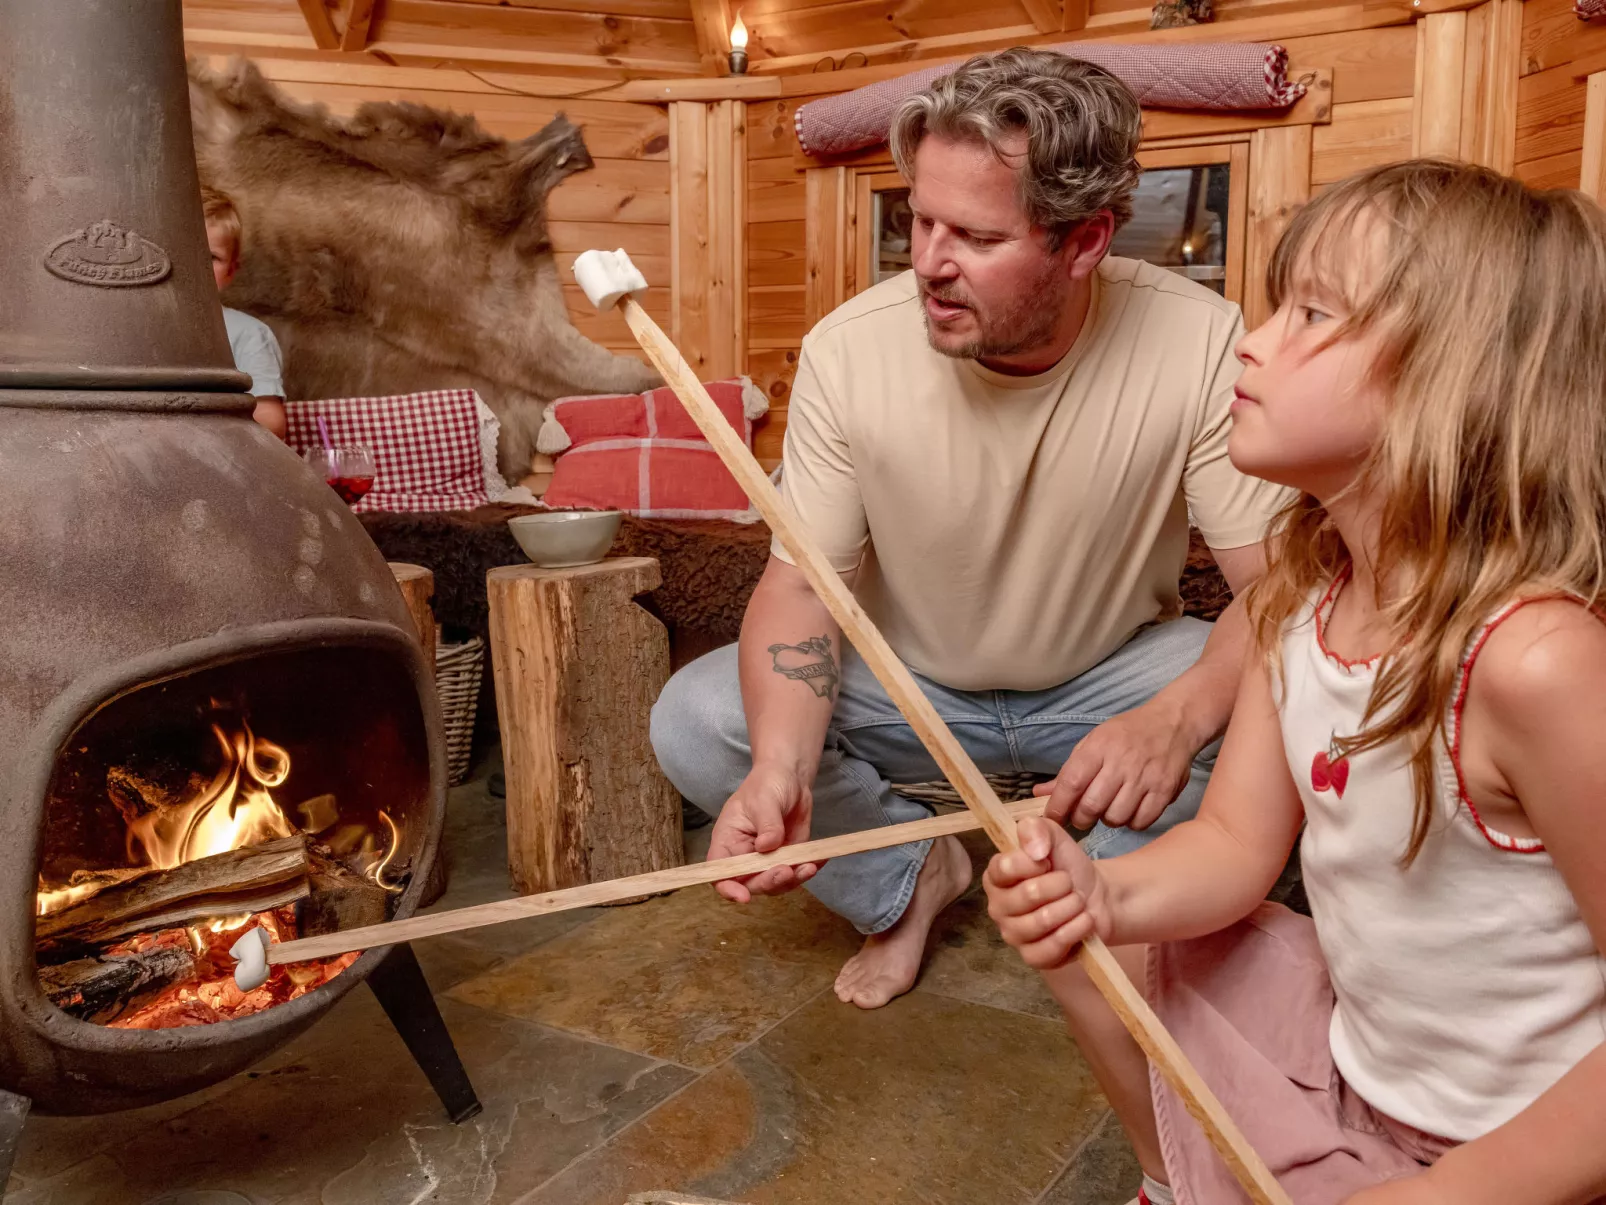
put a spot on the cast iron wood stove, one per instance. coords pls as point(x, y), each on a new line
point(214, 710)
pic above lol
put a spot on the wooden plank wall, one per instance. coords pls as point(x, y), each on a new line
point(1374, 73)
point(622, 202)
point(1552, 95)
point(775, 263)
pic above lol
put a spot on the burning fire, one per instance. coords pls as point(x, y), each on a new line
point(233, 811)
point(57, 899)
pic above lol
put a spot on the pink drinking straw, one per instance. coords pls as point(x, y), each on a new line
point(323, 434)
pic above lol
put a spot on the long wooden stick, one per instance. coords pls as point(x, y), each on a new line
point(1101, 965)
point(613, 890)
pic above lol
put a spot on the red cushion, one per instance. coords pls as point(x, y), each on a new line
point(643, 454)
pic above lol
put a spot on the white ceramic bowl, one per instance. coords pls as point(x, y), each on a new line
point(566, 537)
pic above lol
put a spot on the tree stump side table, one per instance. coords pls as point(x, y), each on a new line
point(418, 588)
point(578, 666)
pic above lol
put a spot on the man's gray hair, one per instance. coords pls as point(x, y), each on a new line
point(1082, 128)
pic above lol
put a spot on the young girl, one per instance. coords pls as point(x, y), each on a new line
point(1430, 705)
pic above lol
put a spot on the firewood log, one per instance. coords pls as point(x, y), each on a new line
point(252, 879)
point(102, 987)
point(339, 898)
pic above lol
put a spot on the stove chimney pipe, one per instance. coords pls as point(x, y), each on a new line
point(108, 278)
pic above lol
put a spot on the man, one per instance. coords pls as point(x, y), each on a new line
point(999, 452)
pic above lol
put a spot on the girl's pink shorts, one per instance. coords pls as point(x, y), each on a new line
point(1251, 1006)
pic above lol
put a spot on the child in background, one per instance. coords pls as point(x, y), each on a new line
point(1429, 702)
point(256, 351)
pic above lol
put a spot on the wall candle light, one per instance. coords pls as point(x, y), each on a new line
point(738, 55)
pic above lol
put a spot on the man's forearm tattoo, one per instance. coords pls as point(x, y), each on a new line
point(810, 662)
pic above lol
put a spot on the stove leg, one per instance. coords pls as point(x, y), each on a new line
point(13, 1112)
point(399, 984)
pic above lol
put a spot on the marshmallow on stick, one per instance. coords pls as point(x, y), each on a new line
point(251, 953)
point(608, 281)
point(607, 277)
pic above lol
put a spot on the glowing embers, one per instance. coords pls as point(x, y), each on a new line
point(210, 995)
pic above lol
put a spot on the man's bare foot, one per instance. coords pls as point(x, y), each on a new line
point(889, 963)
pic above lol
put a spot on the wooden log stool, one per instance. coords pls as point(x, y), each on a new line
point(578, 666)
point(418, 588)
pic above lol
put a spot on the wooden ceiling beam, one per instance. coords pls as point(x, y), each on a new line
point(672, 10)
point(1126, 25)
point(713, 19)
point(515, 58)
point(319, 24)
point(1047, 15)
point(359, 16)
point(517, 71)
point(494, 33)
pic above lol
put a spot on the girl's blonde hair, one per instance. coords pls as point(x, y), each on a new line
point(1487, 300)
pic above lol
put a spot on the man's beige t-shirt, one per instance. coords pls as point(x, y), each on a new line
point(1011, 532)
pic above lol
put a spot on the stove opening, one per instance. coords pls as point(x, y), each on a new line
point(287, 790)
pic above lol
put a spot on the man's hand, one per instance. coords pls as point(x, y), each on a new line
point(1046, 897)
point(770, 809)
point(1125, 772)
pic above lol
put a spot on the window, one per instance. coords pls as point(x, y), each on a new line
point(1188, 217)
point(1180, 222)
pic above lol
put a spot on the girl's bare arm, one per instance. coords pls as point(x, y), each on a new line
point(1212, 871)
point(1201, 876)
point(1540, 684)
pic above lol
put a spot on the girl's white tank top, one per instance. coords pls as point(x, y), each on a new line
point(1467, 983)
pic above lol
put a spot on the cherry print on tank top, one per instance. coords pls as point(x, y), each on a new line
point(1329, 769)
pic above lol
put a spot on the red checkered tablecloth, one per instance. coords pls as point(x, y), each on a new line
point(429, 451)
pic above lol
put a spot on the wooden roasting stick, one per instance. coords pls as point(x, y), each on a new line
point(614, 890)
point(1247, 1166)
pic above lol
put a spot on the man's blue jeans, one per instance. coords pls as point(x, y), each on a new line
point(699, 733)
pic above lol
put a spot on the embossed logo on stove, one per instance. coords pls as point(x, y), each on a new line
point(106, 254)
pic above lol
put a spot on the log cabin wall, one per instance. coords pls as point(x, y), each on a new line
point(1373, 56)
point(1561, 99)
point(699, 175)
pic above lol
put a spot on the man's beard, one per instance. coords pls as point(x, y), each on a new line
point(1023, 325)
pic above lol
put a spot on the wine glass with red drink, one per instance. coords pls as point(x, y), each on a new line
point(349, 469)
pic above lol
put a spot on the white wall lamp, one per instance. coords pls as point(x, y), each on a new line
point(738, 55)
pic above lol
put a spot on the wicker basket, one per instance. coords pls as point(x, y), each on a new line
point(457, 680)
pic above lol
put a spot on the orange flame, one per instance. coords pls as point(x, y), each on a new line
point(62, 897)
point(233, 810)
point(377, 872)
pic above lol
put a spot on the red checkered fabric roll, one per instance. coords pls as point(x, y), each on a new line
point(1214, 75)
point(642, 453)
point(1588, 10)
point(429, 448)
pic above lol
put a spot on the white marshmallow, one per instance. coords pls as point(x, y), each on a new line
point(606, 276)
point(251, 953)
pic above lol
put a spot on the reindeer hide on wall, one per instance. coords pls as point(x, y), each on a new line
point(403, 249)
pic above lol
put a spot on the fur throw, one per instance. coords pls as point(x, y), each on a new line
point(402, 249)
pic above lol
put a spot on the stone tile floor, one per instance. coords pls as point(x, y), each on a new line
point(679, 1043)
